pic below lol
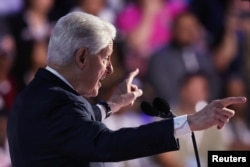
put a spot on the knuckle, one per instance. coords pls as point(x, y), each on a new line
point(215, 101)
point(215, 122)
point(218, 104)
point(216, 111)
point(133, 95)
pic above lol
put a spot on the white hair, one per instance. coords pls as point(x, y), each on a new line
point(78, 30)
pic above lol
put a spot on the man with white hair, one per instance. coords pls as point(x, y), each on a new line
point(52, 124)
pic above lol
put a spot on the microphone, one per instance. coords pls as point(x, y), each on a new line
point(161, 108)
point(164, 109)
point(148, 109)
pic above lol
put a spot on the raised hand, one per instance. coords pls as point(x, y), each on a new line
point(125, 94)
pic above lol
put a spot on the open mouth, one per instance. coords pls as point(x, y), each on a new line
point(100, 81)
point(102, 78)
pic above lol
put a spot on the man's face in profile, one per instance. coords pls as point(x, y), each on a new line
point(98, 67)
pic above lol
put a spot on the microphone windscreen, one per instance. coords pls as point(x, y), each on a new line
point(148, 109)
point(161, 105)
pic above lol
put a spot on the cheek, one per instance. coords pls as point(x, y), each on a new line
point(93, 81)
point(102, 69)
point(96, 73)
point(95, 77)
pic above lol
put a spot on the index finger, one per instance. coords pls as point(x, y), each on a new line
point(232, 100)
point(132, 75)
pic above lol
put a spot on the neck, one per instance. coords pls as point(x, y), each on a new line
point(65, 72)
point(71, 75)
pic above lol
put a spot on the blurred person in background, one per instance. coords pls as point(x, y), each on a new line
point(7, 82)
point(10, 6)
point(237, 132)
point(96, 7)
point(185, 54)
point(7, 90)
point(116, 6)
point(145, 25)
point(244, 27)
point(240, 61)
point(231, 56)
point(38, 60)
point(194, 92)
point(4, 149)
point(61, 8)
point(31, 29)
point(212, 15)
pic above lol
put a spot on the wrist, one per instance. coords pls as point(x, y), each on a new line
point(113, 106)
point(107, 108)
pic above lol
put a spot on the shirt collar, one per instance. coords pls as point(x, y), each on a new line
point(58, 75)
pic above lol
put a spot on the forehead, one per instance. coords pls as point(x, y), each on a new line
point(109, 49)
point(110, 45)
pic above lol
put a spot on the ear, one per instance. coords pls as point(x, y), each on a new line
point(80, 57)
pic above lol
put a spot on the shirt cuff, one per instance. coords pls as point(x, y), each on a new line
point(181, 126)
point(103, 111)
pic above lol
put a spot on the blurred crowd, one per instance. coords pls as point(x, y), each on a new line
point(188, 52)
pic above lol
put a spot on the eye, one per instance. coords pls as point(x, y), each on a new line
point(106, 59)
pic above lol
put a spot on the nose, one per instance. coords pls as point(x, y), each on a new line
point(110, 68)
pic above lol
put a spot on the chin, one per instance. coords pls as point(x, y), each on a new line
point(94, 92)
point(94, 95)
point(91, 93)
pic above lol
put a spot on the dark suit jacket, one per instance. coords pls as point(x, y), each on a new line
point(51, 125)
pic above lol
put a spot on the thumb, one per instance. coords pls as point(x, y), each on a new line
point(138, 92)
point(131, 96)
point(134, 95)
